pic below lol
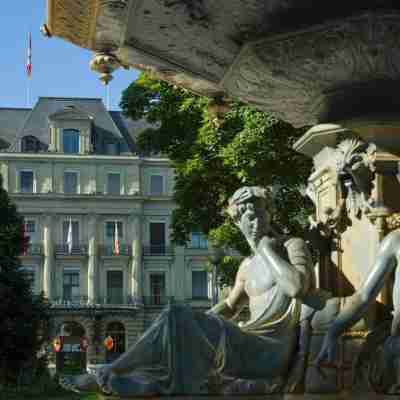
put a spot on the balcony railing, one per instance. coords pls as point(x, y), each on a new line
point(76, 250)
point(33, 249)
point(84, 302)
point(157, 300)
point(109, 250)
point(157, 250)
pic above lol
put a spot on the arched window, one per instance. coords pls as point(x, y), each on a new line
point(30, 144)
point(117, 331)
point(71, 141)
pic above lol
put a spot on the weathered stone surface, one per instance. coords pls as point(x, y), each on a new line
point(329, 72)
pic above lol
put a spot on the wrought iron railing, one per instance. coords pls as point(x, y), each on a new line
point(78, 249)
point(157, 300)
point(110, 250)
point(158, 250)
point(85, 302)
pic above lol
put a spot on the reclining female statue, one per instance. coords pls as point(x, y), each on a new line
point(184, 349)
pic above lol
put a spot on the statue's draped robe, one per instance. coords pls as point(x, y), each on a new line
point(183, 348)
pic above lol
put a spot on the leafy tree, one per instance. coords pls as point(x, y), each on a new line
point(23, 316)
point(213, 158)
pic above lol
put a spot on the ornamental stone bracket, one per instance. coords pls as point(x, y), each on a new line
point(320, 74)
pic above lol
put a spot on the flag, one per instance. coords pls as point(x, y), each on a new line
point(69, 237)
point(29, 61)
point(116, 239)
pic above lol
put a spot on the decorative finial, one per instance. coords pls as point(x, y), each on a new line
point(105, 64)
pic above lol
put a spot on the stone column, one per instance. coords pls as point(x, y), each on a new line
point(136, 261)
point(48, 251)
point(92, 258)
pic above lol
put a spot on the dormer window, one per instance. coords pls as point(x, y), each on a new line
point(30, 144)
point(71, 141)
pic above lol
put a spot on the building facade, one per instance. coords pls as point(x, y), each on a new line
point(98, 217)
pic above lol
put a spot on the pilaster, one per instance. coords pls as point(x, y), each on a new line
point(92, 257)
point(4, 173)
point(48, 251)
point(136, 261)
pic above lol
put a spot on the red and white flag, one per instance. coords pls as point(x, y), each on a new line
point(116, 239)
point(29, 60)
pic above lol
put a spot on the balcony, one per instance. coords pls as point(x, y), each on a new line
point(158, 250)
point(34, 249)
point(100, 302)
point(76, 250)
point(157, 300)
point(109, 250)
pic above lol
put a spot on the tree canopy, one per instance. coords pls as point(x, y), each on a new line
point(212, 158)
point(23, 316)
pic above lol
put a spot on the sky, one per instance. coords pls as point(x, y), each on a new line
point(59, 69)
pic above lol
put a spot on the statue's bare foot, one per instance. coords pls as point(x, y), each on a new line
point(80, 383)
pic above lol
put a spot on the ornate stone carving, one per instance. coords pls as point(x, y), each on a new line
point(354, 170)
point(393, 221)
point(355, 167)
point(195, 8)
point(320, 73)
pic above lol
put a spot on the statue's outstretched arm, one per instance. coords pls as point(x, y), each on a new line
point(357, 304)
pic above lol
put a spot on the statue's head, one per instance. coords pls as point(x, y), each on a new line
point(251, 207)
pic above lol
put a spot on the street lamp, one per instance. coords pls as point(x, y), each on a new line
point(216, 255)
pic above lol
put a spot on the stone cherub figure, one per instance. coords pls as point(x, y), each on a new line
point(184, 349)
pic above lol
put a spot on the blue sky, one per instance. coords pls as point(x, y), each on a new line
point(59, 69)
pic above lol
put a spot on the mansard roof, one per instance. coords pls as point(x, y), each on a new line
point(11, 122)
point(16, 123)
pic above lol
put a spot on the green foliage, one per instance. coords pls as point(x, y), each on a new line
point(213, 160)
point(23, 316)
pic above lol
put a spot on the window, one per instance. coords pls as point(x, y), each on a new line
point(26, 181)
point(114, 287)
point(74, 231)
point(157, 237)
point(110, 230)
point(29, 273)
point(71, 141)
point(30, 226)
point(157, 288)
point(30, 144)
point(199, 285)
point(113, 183)
point(71, 289)
point(30, 230)
point(156, 185)
point(198, 241)
point(70, 182)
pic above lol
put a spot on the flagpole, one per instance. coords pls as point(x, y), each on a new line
point(108, 97)
point(28, 93)
point(29, 70)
